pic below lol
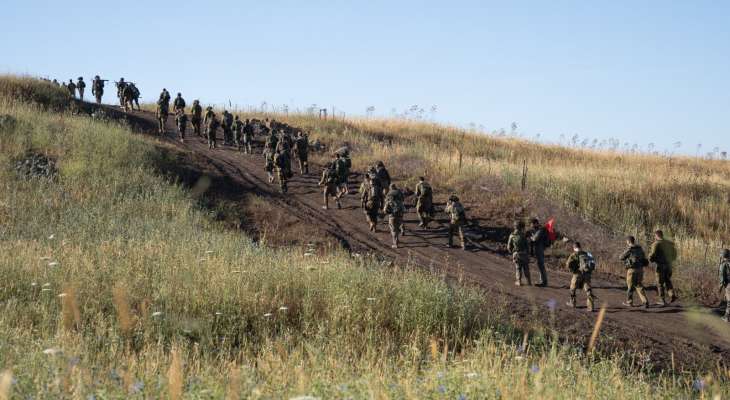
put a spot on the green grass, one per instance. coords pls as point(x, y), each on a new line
point(136, 293)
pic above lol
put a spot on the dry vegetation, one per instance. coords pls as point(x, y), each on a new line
point(117, 286)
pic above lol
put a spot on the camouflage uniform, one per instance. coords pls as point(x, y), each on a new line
point(301, 149)
point(282, 162)
point(725, 282)
point(343, 171)
point(457, 219)
point(580, 278)
point(663, 253)
point(238, 132)
point(210, 129)
point(97, 89)
point(329, 181)
point(163, 110)
point(395, 209)
point(635, 261)
point(71, 88)
point(371, 199)
point(182, 122)
point(81, 85)
point(121, 85)
point(383, 176)
point(196, 116)
point(517, 246)
point(128, 97)
point(538, 242)
point(424, 203)
point(248, 137)
point(134, 96)
point(227, 125)
point(179, 104)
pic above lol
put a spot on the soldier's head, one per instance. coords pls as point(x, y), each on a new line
point(164, 90)
point(393, 187)
point(337, 155)
point(659, 234)
point(380, 164)
point(196, 102)
point(81, 78)
point(209, 108)
point(179, 94)
point(70, 81)
point(236, 118)
point(519, 225)
point(726, 253)
point(535, 222)
point(630, 240)
point(368, 177)
point(421, 179)
point(96, 77)
point(121, 79)
point(577, 247)
point(453, 198)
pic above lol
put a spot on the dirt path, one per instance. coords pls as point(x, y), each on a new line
point(668, 336)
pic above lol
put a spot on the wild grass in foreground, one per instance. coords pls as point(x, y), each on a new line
point(116, 286)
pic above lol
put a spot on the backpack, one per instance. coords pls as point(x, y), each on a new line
point(637, 258)
point(586, 262)
point(551, 236)
point(393, 205)
point(457, 213)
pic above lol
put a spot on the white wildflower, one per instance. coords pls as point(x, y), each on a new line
point(268, 315)
point(157, 313)
point(51, 351)
point(53, 263)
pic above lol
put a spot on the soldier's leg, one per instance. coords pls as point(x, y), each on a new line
point(394, 230)
point(589, 291)
point(639, 285)
point(630, 286)
point(660, 286)
point(669, 285)
point(451, 234)
point(727, 303)
point(518, 273)
point(526, 271)
point(573, 286)
point(540, 257)
point(461, 237)
point(326, 198)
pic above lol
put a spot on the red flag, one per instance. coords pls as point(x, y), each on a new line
point(550, 228)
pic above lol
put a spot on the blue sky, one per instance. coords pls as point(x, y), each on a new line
point(639, 71)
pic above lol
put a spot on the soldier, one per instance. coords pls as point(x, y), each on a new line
point(121, 85)
point(371, 198)
point(81, 85)
point(581, 265)
point(424, 202)
point(196, 116)
point(394, 209)
point(178, 104)
point(517, 246)
point(163, 110)
point(539, 241)
point(272, 142)
point(55, 82)
point(635, 260)
point(208, 115)
point(211, 125)
point(663, 253)
point(238, 132)
point(282, 162)
point(165, 96)
point(329, 181)
point(345, 156)
point(248, 137)
point(182, 121)
point(457, 219)
point(383, 176)
point(134, 95)
point(301, 150)
point(97, 88)
point(342, 172)
point(725, 282)
point(71, 86)
point(227, 125)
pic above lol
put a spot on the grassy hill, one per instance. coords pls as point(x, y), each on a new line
point(118, 285)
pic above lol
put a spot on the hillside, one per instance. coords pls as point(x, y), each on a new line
point(126, 278)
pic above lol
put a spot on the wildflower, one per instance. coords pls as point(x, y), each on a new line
point(53, 263)
point(371, 298)
point(209, 252)
point(218, 313)
point(534, 369)
point(439, 374)
point(442, 389)
point(51, 351)
point(268, 315)
point(52, 236)
point(472, 375)
point(137, 387)
point(33, 284)
point(157, 313)
point(62, 295)
point(519, 358)
point(551, 304)
point(698, 385)
point(45, 258)
point(45, 290)
point(283, 308)
point(47, 284)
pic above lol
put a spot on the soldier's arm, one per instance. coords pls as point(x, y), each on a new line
point(653, 251)
point(625, 256)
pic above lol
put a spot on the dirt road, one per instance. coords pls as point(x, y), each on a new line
point(667, 336)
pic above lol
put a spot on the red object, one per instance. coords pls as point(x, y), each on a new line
point(550, 228)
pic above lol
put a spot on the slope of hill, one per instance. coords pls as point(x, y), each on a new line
point(119, 283)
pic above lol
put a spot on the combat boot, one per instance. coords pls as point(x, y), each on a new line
point(589, 303)
point(672, 296)
point(628, 303)
point(726, 318)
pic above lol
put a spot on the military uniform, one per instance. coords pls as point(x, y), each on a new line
point(133, 96)
point(227, 125)
point(538, 242)
point(663, 254)
point(581, 278)
point(329, 181)
point(182, 121)
point(301, 149)
point(457, 219)
point(210, 130)
point(424, 203)
point(395, 209)
point(196, 114)
point(97, 89)
point(81, 85)
point(517, 246)
point(248, 137)
point(238, 132)
point(725, 283)
point(371, 200)
point(282, 162)
point(635, 261)
point(163, 110)
point(178, 105)
point(383, 177)
point(71, 88)
point(121, 85)
point(128, 97)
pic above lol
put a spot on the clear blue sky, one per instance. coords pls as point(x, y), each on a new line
point(639, 71)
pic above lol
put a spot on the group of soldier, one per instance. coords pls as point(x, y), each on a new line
point(381, 198)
